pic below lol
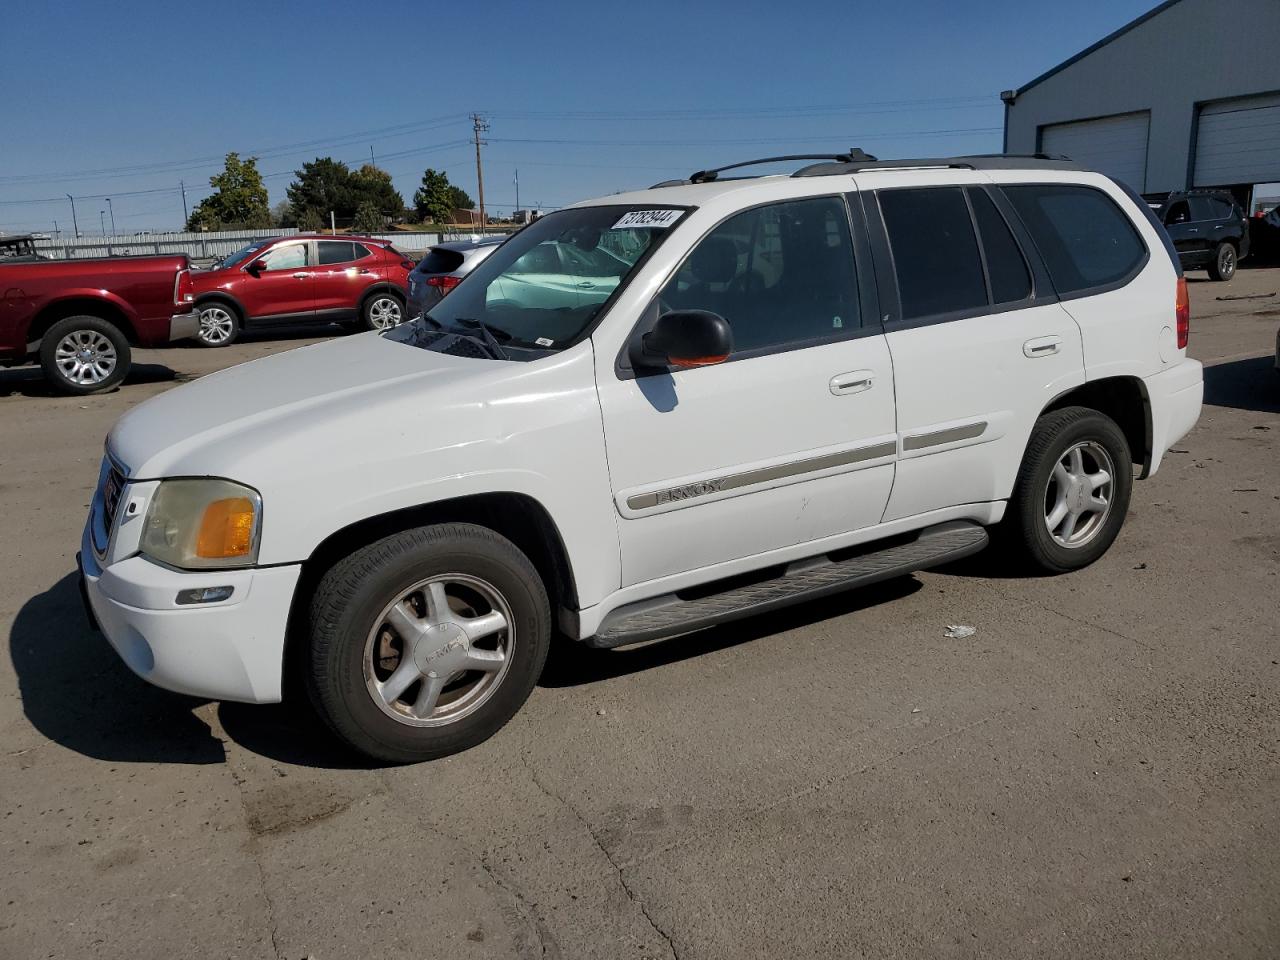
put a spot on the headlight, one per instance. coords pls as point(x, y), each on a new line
point(203, 524)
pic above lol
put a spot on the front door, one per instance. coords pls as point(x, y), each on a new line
point(789, 441)
point(283, 287)
point(1190, 234)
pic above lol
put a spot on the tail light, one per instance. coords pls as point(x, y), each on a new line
point(445, 284)
point(1182, 308)
point(184, 288)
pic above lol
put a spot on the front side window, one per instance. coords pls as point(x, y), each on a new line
point(289, 257)
point(1085, 239)
point(540, 290)
point(241, 255)
point(1177, 213)
point(935, 252)
point(781, 274)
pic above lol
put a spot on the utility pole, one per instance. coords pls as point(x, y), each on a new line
point(185, 216)
point(372, 162)
point(112, 211)
point(479, 126)
point(74, 224)
point(517, 188)
point(102, 221)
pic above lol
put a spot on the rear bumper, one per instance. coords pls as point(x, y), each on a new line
point(184, 326)
point(1176, 396)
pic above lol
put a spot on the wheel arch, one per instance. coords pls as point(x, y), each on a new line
point(517, 516)
point(383, 286)
point(76, 305)
point(1126, 401)
point(220, 296)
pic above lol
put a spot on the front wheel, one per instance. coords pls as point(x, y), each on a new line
point(382, 311)
point(83, 355)
point(1224, 262)
point(1072, 490)
point(219, 325)
point(427, 642)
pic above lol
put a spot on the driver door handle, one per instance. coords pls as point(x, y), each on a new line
point(301, 276)
point(843, 384)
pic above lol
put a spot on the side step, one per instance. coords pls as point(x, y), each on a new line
point(808, 579)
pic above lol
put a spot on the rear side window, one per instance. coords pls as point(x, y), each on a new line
point(1085, 239)
point(439, 260)
point(1006, 268)
point(1202, 208)
point(935, 253)
point(336, 251)
point(1221, 209)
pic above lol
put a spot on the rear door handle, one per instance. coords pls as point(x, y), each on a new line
point(1042, 347)
point(301, 276)
point(857, 381)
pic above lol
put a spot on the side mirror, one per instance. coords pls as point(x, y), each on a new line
point(684, 339)
point(255, 268)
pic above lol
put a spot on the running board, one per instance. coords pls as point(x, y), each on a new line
point(807, 579)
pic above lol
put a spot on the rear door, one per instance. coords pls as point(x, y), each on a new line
point(283, 288)
point(344, 269)
point(980, 344)
point(789, 441)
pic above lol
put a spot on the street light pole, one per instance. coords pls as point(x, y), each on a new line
point(75, 226)
point(102, 221)
point(112, 211)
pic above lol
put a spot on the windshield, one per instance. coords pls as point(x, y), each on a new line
point(542, 288)
point(231, 259)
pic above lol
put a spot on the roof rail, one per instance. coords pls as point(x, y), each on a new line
point(981, 161)
point(855, 154)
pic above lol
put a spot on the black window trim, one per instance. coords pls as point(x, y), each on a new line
point(1142, 262)
point(868, 301)
point(1042, 291)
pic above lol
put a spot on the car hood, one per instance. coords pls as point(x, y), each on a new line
point(228, 422)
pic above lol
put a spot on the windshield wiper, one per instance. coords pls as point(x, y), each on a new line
point(487, 332)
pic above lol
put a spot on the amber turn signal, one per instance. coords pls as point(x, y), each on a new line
point(226, 529)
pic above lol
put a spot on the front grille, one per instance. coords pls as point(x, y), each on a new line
point(112, 488)
point(110, 492)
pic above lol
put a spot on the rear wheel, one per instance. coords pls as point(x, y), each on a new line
point(1223, 266)
point(1072, 490)
point(83, 355)
point(219, 325)
point(382, 311)
point(427, 642)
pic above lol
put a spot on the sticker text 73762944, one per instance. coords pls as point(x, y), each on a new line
point(651, 219)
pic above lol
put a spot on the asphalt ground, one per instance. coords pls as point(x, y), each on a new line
point(1092, 774)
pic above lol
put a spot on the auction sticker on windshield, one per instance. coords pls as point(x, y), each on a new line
point(651, 219)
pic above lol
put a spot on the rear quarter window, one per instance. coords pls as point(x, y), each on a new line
point(439, 260)
point(1086, 240)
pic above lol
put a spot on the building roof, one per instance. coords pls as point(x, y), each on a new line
point(1009, 95)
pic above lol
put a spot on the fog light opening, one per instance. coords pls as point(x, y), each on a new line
point(204, 595)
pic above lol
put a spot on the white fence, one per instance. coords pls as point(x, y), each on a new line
point(201, 246)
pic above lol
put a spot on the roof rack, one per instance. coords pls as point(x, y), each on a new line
point(857, 160)
point(855, 155)
point(979, 161)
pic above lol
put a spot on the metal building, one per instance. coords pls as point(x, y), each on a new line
point(1187, 95)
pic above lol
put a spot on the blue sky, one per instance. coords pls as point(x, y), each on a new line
point(125, 99)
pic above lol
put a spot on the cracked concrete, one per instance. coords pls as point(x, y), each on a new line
point(1094, 773)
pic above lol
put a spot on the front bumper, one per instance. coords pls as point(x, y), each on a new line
point(1175, 396)
point(184, 326)
point(232, 650)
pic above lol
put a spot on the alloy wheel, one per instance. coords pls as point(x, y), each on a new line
point(384, 313)
point(85, 357)
point(1078, 496)
point(439, 650)
point(216, 325)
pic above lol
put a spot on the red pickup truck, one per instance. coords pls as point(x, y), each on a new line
point(78, 318)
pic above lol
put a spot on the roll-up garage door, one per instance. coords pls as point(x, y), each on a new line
point(1116, 146)
point(1238, 141)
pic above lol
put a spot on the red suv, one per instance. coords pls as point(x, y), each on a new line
point(357, 280)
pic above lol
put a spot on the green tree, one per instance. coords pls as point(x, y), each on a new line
point(240, 199)
point(369, 218)
point(282, 214)
point(308, 221)
point(321, 186)
point(433, 202)
point(372, 185)
point(460, 199)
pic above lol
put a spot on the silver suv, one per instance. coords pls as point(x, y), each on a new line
point(443, 268)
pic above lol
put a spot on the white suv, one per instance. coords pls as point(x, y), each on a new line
point(643, 415)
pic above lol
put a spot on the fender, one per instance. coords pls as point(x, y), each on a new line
point(225, 296)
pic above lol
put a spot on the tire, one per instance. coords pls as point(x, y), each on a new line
point(382, 310)
point(83, 355)
point(1223, 266)
point(367, 679)
point(220, 324)
point(1029, 530)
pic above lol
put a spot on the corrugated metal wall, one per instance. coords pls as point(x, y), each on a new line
point(198, 246)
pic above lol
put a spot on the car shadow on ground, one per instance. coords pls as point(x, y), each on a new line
point(79, 694)
point(30, 382)
point(303, 331)
point(1252, 384)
